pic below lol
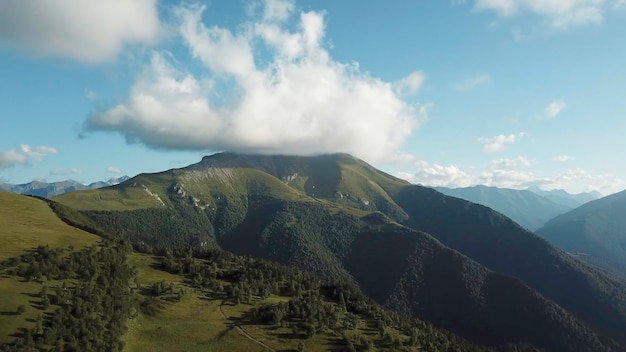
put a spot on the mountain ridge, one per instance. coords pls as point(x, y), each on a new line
point(596, 232)
point(524, 206)
point(327, 214)
point(51, 189)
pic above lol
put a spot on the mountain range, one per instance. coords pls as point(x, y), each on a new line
point(51, 189)
point(530, 208)
point(595, 232)
point(460, 265)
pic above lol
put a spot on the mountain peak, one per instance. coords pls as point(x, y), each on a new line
point(227, 155)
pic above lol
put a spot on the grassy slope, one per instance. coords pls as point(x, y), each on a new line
point(26, 223)
point(196, 324)
point(193, 324)
point(317, 178)
point(113, 198)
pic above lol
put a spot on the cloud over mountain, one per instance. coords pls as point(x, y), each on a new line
point(268, 87)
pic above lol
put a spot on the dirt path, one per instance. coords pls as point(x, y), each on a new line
point(242, 331)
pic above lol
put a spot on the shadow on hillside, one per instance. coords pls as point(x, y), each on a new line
point(8, 313)
point(213, 296)
point(19, 333)
point(223, 333)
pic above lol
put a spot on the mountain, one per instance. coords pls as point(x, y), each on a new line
point(459, 265)
point(48, 190)
point(562, 197)
point(595, 232)
point(525, 207)
point(61, 286)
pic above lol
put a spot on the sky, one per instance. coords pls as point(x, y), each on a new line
point(506, 93)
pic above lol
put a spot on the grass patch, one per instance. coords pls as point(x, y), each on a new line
point(114, 198)
point(15, 292)
point(28, 222)
point(205, 320)
point(192, 324)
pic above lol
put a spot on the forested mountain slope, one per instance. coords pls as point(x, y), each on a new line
point(524, 207)
point(64, 289)
point(452, 262)
point(595, 232)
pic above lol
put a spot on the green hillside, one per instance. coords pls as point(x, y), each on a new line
point(82, 297)
point(27, 222)
point(222, 302)
point(229, 177)
point(334, 215)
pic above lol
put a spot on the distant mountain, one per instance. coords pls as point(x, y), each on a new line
point(457, 264)
point(595, 232)
point(525, 207)
point(48, 190)
point(562, 197)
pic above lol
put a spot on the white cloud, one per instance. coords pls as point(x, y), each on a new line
point(299, 101)
point(507, 173)
point(472, 82)
point(114, 170)
point(23, 155)
point(560, 14)
point(564, 158)
point(438, 176)
point(87, 30)
point(515, 173)
point(582, 180)
point(278, 10)
point(500, 142)
point(554, 109)
point(410, 84)
point(70, 171)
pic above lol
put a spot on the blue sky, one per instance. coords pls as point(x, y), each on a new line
point(508, 93)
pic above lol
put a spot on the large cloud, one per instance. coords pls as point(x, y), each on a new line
point(23, 155)
point(559, 13)
point(266, 89)
point(85, 30)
